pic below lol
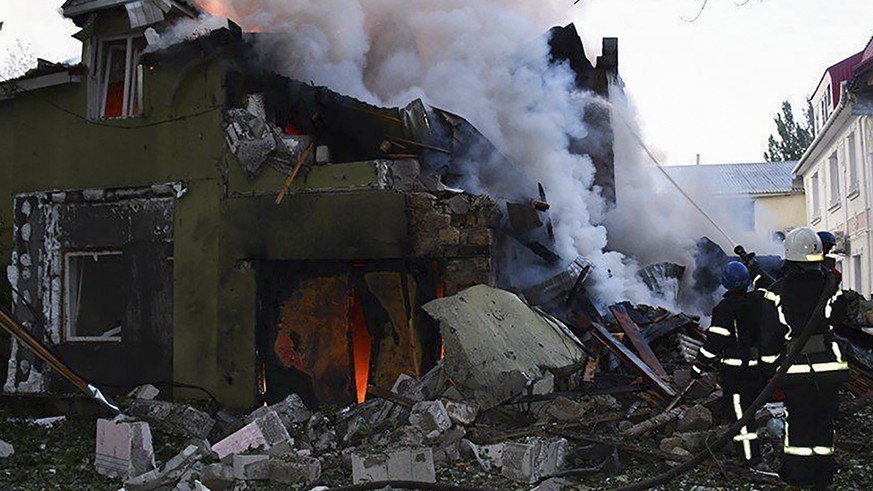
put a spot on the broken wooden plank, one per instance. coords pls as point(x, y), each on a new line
point(633, 333)
point(650, 424)
point(592, 364)
point(608, 340)
point(659, 329)
point(293, 174)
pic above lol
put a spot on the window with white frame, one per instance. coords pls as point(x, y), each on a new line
point(834, 179)
point(816, 197)
point(94, 295)
point(118, 78)
point(857, 272)
point(852, 163)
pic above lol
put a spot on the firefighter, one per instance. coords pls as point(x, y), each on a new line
point(828, 242)
point(732, 346)
point(811, 385)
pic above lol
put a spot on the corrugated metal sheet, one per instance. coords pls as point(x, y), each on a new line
point(756, 179)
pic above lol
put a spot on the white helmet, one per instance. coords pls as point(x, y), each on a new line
point(803, 245)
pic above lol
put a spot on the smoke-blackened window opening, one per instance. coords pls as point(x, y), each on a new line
point(94, 295)
point(119, 78)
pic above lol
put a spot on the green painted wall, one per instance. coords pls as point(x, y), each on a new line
point(222, 221)
point(6, 149)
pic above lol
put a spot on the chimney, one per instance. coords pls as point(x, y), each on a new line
point(609, 57)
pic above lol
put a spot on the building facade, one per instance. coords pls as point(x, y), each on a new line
point(178, 213)
point(837, 168)
point(758, 203)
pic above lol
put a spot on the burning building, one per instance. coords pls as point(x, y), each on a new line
point(180, 212)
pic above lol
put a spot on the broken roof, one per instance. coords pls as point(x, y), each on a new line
point(73, 8)
point(756, 179)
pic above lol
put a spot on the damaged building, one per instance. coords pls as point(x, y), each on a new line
point(180, 214)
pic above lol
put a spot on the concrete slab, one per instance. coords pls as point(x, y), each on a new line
point(415, 464)
point(496, 345)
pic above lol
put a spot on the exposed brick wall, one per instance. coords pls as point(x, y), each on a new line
point(456, 228)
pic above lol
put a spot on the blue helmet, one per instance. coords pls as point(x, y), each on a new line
point(827, 238)
point(735, 276)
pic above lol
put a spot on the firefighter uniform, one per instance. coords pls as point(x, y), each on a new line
point(732, 346)
point(811, 385)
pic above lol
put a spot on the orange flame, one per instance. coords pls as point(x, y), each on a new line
point(216, 7)
point(440, 293)
point(362, 347)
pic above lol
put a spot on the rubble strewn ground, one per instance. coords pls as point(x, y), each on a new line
point(62, 457)
point(590, 415)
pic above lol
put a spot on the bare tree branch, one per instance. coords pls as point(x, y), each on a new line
point(702, 8)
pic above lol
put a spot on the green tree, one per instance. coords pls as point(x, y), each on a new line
point(792, 138)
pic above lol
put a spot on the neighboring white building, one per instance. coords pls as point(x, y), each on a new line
point(763, 199)
point(837, 168)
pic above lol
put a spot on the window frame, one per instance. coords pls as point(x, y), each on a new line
point(66, 326)
point(816, 196)
point(836, 198)
point(132, 98)
point(852, 165)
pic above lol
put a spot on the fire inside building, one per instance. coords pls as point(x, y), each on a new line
point(181, 214)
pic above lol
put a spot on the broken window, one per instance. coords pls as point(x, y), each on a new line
point(94, 295)
point(119, 78)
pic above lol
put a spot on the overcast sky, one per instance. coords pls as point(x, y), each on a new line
point(710, 87)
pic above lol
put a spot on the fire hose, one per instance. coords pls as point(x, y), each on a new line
point(796, 348)
point(11, 326)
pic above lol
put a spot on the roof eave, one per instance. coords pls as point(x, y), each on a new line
point(813, 150)
point(86, 8)
point(40, 82)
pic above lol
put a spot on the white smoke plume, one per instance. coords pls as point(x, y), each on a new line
point(486, 61)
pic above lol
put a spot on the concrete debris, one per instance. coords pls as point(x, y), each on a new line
point(431, 417)
point(170, 473)
point(50, 422)
point(297, 470)
point(123, 450)
point(255, 141)
point(695, 418)
point(291, 411)
point(217, 477)
point(400, 465)
point(6, 450)
point(463, 412)
point(320, 433)
point(179, 419)
point(530, 462)
point(447, 447)
point(496, 346)
point(247, 438)
point(251, 467)
point(490, 457)
point(145, 392)
point(322, 154)
point(426, 388)
point(564, 409)
point(554, 484)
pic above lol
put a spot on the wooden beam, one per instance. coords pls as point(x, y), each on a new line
point(293, 174)
point(609, 342)
point(633, 333)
